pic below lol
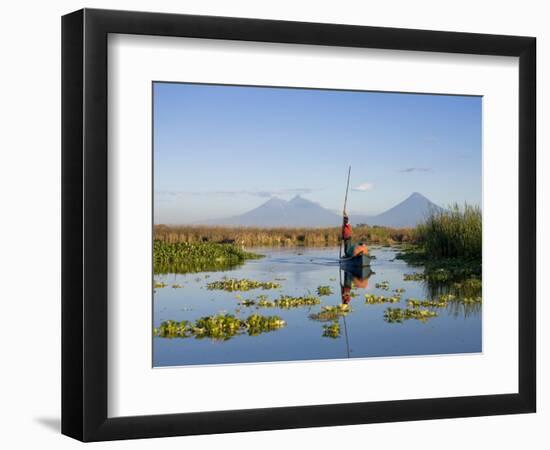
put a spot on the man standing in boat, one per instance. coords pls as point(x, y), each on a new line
point(346, 235)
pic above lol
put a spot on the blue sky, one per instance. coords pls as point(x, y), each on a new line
point(223, 150)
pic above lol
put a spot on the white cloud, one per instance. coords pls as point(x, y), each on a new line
point(363, 187)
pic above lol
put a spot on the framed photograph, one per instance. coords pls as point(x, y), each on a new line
point(272, 224)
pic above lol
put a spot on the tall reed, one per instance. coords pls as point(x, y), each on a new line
point(257, 236)
point(454, 232)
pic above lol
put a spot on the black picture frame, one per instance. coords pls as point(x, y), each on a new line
point(84, 224)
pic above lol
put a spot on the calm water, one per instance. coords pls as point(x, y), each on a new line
point(364, 333)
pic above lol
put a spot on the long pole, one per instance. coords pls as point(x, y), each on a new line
point(344, 211)
point(344, 317)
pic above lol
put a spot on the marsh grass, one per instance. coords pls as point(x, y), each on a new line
point(185, 257)
point(452, 233)
point(258, 236)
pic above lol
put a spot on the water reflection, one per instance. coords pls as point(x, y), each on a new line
point(351, 279)
point(341, 324)
point(458, 289)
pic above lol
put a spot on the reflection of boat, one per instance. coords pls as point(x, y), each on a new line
point(358, 278)
point(359, 273)
point(355, 263)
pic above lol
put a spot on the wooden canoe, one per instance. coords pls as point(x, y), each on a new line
point(355, 263)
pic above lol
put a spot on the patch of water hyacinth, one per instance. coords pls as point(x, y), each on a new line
point(283, 302)
point(159, 284)
point(372, 299)
point(399, 315)
point(415, 276)
point(330, 313)
point(442, 301)
point(384, 285)
point(234, 284)
point(219, 327)
point(287, 302)
point(415, 303)
point(331, 330)
point(469, 283)
point(324, 290)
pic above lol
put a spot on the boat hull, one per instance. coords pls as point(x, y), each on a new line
point(355, 263)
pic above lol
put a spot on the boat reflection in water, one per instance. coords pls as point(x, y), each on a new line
point(349, 279)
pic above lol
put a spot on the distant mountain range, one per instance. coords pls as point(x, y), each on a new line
point(300, 212)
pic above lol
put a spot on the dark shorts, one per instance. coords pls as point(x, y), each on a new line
point(347, 247)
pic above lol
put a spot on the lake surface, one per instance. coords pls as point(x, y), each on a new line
point(363, 331)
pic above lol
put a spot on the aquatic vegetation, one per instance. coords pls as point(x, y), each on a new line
point(234, 284)
point(439, 274)
point(324, 290)
point(415, 303)
point(159, 284)
point(177, 286)
point(384, 285)
point(221, 326)
point(414, 276)
point(332, 330)
point(264, 303)
point(454, 232)
point(256, 324)
point(330, 313)
point(278, 236)
point(448, 244)
point(446, 297)
point(470, 300)
point(469, 283)
point(288, 302)
point(372, 299)
point(247, 303)
point(398, 315)
point(171, 328)
point(399, 290)
point(442, 301)
point(184, 257)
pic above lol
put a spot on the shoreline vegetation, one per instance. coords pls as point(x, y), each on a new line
point(184, 257)
point(448, 244)
point(279, 236)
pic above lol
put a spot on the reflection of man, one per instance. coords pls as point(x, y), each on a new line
point(345, 288)
point(351, 281)
point(346, 235)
